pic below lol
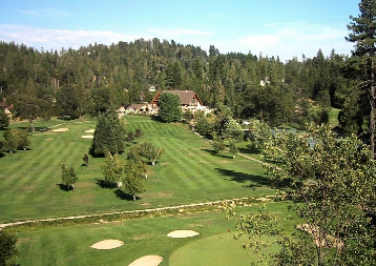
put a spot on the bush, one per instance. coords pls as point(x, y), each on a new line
point(4, 120)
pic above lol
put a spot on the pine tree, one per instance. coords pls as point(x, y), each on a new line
point(363, 34)
point(109, 134)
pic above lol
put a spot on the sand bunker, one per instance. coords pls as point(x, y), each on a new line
point(63, 129)
point(90, 131)
point(87, 136)
point(182, 233)
point(107, 244)
point(150, 260)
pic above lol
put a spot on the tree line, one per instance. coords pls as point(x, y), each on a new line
point(88, 80)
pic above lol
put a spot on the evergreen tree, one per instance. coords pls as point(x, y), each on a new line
point(363, 34)
point(169, 107)
point(4, 119)
point(109, 134)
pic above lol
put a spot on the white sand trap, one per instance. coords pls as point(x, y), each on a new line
point(87, 136)
point(63, 129)
point(182, 233)
point(107, 244)
point(150, 260)
point(90, 131)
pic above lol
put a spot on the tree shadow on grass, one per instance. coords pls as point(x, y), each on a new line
point(250, 150)
point(218, 154)
point(254, 180)
point(65, 187)
point(124, 196)
point(104, 184)
point(157, 118)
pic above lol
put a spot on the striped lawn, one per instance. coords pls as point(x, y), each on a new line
point(187, 172)
point(214, 246)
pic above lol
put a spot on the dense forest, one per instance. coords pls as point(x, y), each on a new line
point(85, 81)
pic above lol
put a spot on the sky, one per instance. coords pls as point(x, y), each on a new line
point(284, 28)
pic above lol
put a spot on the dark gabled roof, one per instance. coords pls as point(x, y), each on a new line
point(185, 96)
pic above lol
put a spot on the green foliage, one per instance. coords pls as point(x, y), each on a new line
point(2, 146)
point(113, 168)
point(232, 147)
point(11, 139)
point(188, 116)
point(132, 181)
point(169, 107)
point(23, 138)
point(150, 152)
point(218, 144)
point(259, 133)
point(73, 100)
point(68, 177)
point(331, 186)
point(203, 126)
point(4, 119)
point(109, 134)
point(8, 248)
point(138, 133)
point(232, 130)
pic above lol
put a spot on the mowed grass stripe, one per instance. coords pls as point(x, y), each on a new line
point(21, 175)
point(40, 175)
point(198, 173)
point(185, 167)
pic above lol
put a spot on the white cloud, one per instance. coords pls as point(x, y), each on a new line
point(290, 39)
point(50, 13)
point(56, 39)
point(180, 32)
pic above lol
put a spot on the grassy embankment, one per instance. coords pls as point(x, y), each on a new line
point(214, 246)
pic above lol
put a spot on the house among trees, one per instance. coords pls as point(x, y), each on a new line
point(189, 100)
point(6, 109)
point(138, 108)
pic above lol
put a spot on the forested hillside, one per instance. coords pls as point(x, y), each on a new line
point(84, 81)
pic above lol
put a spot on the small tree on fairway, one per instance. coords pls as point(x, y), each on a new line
point(7, 247)
point(132, 181)
point(169, 107)
point(23, 138)
point(232, 147)
point(130, 136)
point(259, 134)
point(138, 133)
point(150, 152)
point(68, 177)
point(113, 168)
point(86, 159)
point(11, 139)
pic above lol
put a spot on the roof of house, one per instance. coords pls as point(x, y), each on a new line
point(185, 96)
point(4, 105)
point(136, 105)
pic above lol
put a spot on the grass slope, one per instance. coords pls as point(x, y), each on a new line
point(71, 245)
point(187, 172)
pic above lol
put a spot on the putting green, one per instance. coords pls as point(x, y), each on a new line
point(216, 250)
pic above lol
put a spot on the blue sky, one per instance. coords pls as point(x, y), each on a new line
point(283, 28)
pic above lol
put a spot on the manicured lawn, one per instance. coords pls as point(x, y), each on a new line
point(187, 172)
point(214, 246)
